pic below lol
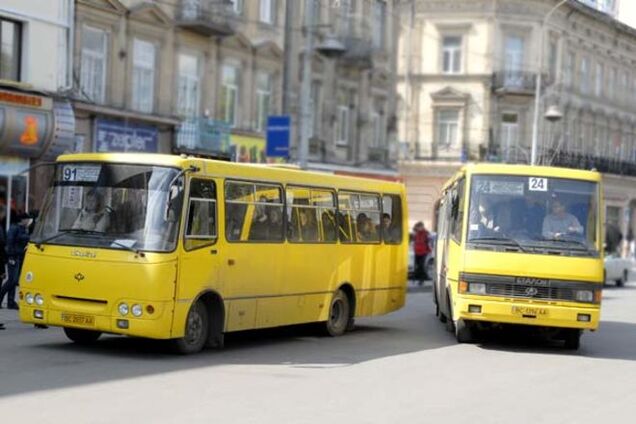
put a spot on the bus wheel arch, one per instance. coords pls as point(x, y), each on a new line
point(215, 309)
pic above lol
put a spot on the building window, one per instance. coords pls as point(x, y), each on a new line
point(143, 78)
point(451, 54)
point(10, 43)
point(568, 70)
point(509, 137)
point(379, 14)
point(93, 64)
point(447, 130)
point(513, 61)
point(189, 86)
point(552, 59)
point(600, 77)
point(342, 124)
point(237, 6)
point(611, 80)
point(315, 109)
point(377, 122)
point(263, 99)
point(230, 94)
point(267, 11)
point(584, 76)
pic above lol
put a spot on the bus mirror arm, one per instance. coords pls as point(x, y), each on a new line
point(181, 173)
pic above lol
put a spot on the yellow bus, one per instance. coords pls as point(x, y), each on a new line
point(175, 247)
point(520, 245)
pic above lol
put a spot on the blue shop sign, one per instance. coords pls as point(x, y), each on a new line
point(278, 130)
point(117, 136)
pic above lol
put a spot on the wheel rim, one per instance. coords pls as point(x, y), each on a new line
point(337, 316)
point(194, 328)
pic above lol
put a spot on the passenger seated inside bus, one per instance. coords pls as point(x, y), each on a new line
point(365, 230)
point(483, 219)
point(329, 226)
point(559, 223)
point(94, 216)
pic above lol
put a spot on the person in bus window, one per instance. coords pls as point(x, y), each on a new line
point(308, 227)
point(389, 231)
point(482, 218)
point(93, 216)
point(560, 223)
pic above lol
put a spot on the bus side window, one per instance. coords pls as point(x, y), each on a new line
point(391, 224)
point(267, 219)
point(344, 218)
point(238, 195)
point(201, 225)
point(457, 210)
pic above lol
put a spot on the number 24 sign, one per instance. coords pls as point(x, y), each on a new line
point(538, 184)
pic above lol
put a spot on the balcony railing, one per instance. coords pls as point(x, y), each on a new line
point(207, 17)
point(203, 136)
point(514, 82)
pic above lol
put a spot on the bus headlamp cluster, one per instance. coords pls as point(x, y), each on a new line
point(477, 288)
point(31, 299)
point(136, 310)
point(584, 295)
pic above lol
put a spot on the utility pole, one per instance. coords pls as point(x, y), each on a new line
point(305, 89)
point(287, 68)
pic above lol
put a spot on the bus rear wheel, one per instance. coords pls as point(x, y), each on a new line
point(339, 314)
point(82, 337)
point(196, 331)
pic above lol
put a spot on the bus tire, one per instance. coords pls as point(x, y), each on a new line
point(196, 331)
point(450, 324)
point(572, 339)
point(463, 331)
point(82, 337)
point(339, 315)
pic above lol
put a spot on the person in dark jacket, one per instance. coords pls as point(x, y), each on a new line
point(17, 241)
point(3, 242)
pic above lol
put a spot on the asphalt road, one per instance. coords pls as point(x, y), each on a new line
point(401, 368)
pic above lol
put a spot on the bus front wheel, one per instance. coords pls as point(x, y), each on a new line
point(82, 337)
point(339, 314)
point(196, 331)
point(463, 331)
point(572, 339)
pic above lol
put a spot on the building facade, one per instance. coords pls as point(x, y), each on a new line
point(36, 120)
point(467, 75)
point(202, 77)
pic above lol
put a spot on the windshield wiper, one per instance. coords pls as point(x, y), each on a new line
point(579, 243)
point(502, 240)
point(86, 232)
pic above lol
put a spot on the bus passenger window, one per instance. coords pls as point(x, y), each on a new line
point(238, 196)
point(201, 225)
point(391, 226)
point(267, 214)
point(308, 211)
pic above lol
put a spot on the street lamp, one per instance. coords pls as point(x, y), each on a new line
point(332, 48)
point(537, 93)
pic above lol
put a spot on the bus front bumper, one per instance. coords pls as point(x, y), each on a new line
point(473, 308)
point(158, 327)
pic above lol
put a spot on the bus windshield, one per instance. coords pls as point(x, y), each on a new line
point(118, 206)
point(534, 213)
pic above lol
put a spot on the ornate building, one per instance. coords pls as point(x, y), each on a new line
point(467, 75)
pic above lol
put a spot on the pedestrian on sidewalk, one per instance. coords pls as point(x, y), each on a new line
point(421, 249)
point(3, 243)
point(17, 241)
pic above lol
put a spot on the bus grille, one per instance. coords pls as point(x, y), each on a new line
point(530, 292)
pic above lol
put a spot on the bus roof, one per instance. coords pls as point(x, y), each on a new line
point(525, 170)
point(210, 167)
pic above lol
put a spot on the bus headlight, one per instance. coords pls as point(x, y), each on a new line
point(477, 288)
point(39, 300)
point(28, 298)
point(137, 310)
point(584, 295)
point(123, 309)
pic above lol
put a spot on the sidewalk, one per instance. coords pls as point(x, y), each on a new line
point(8, 317)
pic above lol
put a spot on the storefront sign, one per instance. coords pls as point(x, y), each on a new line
point(250, 150)
point(118, 136)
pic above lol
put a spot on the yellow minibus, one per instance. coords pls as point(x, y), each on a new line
point(181, 248)
point(520, 245)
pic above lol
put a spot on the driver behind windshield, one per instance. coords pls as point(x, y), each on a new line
point(93, 216)
point(482, 218)
point(560, 223)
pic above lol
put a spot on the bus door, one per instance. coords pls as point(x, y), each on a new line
point(253, 258)
point(199, 264)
